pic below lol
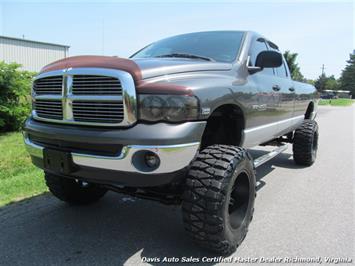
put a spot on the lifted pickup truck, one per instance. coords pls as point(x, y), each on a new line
point(172, 123)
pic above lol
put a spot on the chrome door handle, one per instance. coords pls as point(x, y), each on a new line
point(276, 88)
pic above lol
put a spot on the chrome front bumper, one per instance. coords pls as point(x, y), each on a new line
point(172, 157)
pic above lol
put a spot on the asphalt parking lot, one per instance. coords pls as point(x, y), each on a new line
point(299, 212)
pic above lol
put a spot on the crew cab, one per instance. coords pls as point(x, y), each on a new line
point(172, 123)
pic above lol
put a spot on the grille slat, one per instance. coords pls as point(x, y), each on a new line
point(97, 111)
point(50, 81)
point(53, 106)
point(111, 112)
point(97, 92)
point(47, 92)
point(98, 120)
point(114, 88)
point(46, 105)
point(96, 82)
point(46, 112)
point(49, 109)
point(81, 82)
point(98, 104)
point(96, 85)
point(57, 117)
point(48, 85)
point(98, 114)
point(49, 114)
point(93, 77)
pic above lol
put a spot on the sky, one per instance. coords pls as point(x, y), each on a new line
point(320, 32)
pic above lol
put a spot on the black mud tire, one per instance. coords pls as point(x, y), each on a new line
point(305, 143)
point(219, 176)
point(72, 191)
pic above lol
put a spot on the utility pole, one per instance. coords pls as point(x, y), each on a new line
point(323, 70)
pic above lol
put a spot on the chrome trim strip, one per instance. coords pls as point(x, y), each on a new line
point(257, 135)
point(33, 149)
point(48, 97)
point(129, 97)
point(172, 157)
point(67, 102)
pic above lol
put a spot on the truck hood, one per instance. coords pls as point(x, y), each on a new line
point(140, 69)
point(154, 67)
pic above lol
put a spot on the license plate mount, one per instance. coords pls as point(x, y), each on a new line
point(58, 161)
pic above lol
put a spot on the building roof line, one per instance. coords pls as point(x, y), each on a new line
point(32, 41)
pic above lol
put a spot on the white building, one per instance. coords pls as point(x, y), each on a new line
point(32, 55)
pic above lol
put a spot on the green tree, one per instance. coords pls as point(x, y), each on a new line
point(293, 66)
point(331, 83)
point(347, 78)
point(320, 82)
point(15, 101)
point(325, 82)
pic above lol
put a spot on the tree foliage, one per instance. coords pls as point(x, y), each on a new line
point(15, 101)
point(293, 66)
point(325, 82)
point(347, 78)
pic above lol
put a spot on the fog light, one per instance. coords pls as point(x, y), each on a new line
point(145, 161)
point(151, 160)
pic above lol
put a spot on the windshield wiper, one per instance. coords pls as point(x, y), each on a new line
point(192, 56)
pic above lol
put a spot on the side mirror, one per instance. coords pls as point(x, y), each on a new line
point(268, 59)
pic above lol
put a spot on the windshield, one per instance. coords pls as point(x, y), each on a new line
point(220, 46)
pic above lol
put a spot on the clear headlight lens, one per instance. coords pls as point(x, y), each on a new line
point(173, 108)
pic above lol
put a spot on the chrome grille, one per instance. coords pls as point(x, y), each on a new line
point(51, 109)
point(98, 111)
point(48, 85)
point(96, 85)
point(85, 96)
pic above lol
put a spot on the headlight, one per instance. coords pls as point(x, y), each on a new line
point(174, 108)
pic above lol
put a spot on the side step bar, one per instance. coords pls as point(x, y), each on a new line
point(267, 157)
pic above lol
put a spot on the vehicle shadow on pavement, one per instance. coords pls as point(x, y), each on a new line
point(117, 230)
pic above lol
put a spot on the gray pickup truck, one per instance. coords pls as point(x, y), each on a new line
point(172, 123)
